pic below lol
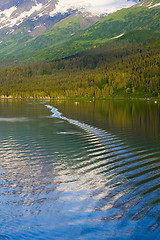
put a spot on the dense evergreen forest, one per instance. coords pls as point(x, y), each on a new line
point(117, 70)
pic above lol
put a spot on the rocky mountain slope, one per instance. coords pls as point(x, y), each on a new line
point(36, 16)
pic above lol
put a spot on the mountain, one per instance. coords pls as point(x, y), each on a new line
point(116, 57)
point(72, 30)
point(38, 15)
point(33, 17)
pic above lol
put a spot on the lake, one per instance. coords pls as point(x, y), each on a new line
point(79, 170)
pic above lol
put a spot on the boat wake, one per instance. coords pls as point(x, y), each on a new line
point(84, 126)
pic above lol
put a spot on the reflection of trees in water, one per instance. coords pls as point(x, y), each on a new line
point(139, 117)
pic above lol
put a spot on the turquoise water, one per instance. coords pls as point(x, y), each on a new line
point(79, 170)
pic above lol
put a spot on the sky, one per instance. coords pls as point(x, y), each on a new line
point(94, 6)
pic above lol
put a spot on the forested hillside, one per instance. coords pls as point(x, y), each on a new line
point(122, 69)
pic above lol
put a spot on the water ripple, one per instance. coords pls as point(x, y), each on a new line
point(132, 172)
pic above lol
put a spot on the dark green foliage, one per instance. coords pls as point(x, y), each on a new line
point(125, 71)
point(45, 72)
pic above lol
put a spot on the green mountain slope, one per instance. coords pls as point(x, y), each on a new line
point(123, 21)
point(69, 36)
point(20, 45)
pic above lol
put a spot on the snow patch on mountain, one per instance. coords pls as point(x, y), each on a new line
point(8, 12)
point(155, 5)
point(118, 36)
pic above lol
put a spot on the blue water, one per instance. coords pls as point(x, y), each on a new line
point(79, 170)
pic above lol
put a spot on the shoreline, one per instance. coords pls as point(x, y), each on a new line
point(157, 100)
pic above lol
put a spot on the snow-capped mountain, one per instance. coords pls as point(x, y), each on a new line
point(32, 13)
point(38, 15)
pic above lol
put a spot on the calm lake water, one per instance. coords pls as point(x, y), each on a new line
point(79, 170)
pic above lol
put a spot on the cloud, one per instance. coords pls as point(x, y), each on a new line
point(94, 6)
